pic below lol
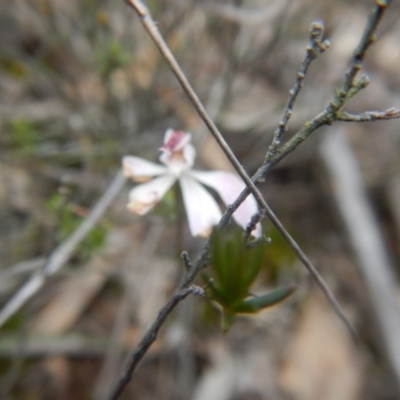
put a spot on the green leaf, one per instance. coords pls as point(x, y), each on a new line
point(254, 261)
point(257, 303)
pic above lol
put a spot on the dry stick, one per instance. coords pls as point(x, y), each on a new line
point(151, 335)
point(21, 268)
point(63, 252)
point(151, 28)
point(369, 116)
point(107, 376)
point(367, 39)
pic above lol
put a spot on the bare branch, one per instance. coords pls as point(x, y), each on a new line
point(350, 87)
point(368, 37)
point(314, 48)
point(151, 336)
point(369, 116)
point(251, 226)
point(186, 260)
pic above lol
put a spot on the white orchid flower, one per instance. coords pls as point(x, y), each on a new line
point(202, 210)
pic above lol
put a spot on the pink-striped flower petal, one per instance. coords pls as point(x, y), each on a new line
point(229, 186)
point(141, 170)
point(144, 197)
point(201, 208)
point(175, 140)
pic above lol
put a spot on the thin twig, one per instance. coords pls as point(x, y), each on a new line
point(368, 37)
point(151, 336)
point(22, 267)
point(186, 260)
point(350, 87)
point(369, 116)
point(63, 252)
point(251, 226)
point(314, 48)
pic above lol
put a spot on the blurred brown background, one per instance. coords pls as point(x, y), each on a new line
point(81, 85)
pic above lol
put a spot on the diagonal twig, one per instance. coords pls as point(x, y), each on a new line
point(151, 334)
point(368, 37)
point(315, 47)
point(62, 253)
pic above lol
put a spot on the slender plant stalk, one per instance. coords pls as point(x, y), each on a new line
point(314, 49)
point(151, 335)
point(180, 217)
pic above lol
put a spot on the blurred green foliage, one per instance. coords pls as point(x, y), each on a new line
point(15, 322)
point(67, 221)
point(23, 134)
point(111, 55)
point(167, 207)
point(14, 67)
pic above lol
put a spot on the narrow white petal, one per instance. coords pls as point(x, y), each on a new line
point(189, 154)
point(229, 186)
point(143, 198)
point(141, 170)
point(201, 208)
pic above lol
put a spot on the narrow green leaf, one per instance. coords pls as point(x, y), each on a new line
point(254, 304)
point(254, 259)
